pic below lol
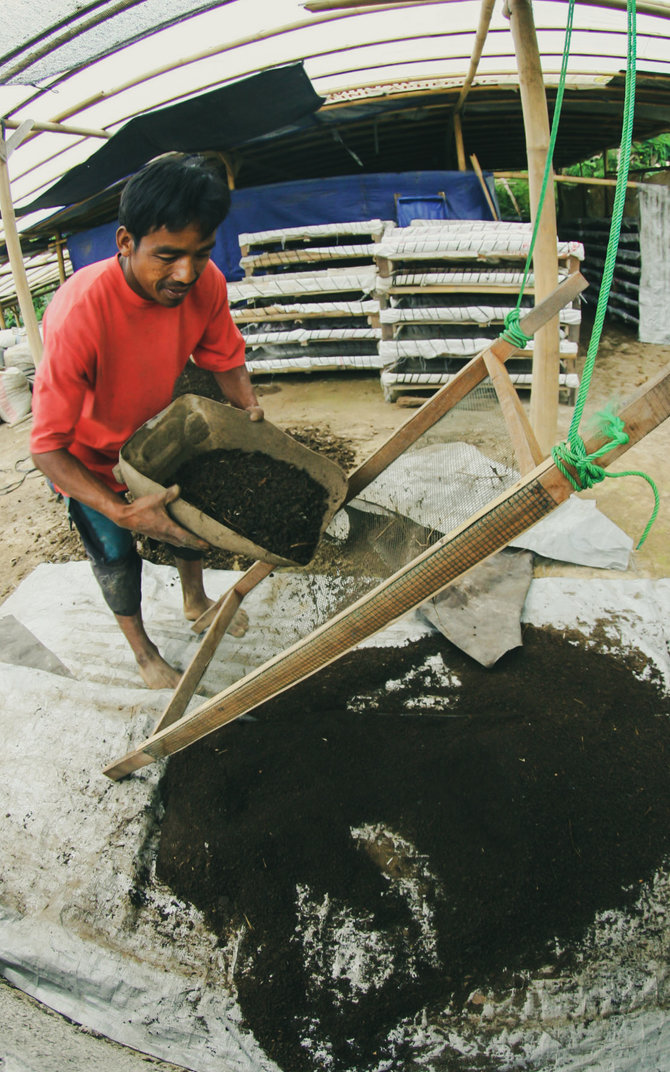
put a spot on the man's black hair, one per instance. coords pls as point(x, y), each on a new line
point(173, 192)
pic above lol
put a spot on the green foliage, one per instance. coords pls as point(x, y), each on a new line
point(653, 153)
point(39, 305)
point(513, 199)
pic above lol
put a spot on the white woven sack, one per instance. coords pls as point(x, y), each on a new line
point(15, 396)
point(20, 356)
point(9, 337)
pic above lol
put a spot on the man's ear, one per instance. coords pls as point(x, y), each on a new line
point(125, 242)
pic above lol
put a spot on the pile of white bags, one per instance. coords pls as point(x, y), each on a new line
point(15, 395)
point(17, 368)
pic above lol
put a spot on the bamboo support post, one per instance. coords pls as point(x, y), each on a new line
point(485, 14)
point(59, 243)
point(14, 244)
point(546, 360)
point(219, 618)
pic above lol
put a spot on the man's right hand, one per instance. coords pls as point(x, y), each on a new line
point(149, 516)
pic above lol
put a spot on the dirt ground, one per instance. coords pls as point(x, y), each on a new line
point(345, 415)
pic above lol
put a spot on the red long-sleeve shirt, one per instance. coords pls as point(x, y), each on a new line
point(111, 359)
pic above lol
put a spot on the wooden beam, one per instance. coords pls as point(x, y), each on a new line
point(546, 358)
point(480, 537)
point(58, 244)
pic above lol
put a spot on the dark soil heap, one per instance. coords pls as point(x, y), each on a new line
point(271, 502)
point(537, 792)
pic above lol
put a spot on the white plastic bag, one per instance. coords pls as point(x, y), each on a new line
point(20, 357)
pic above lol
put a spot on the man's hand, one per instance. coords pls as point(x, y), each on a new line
point(148, 515)
point(238, 389)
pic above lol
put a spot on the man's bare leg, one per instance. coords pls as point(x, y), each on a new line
point(156, 673)
point(196, 601)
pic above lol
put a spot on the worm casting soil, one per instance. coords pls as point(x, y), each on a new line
point(274, 504)
point(406, 827)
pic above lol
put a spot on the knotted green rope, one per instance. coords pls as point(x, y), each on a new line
point(586, 470)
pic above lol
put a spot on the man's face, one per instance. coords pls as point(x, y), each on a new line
point(164, 265)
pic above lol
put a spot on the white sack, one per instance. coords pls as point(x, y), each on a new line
point(20, 357)
point(15, 396)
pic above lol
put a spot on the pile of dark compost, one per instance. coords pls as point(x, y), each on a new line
point(269, 501)
point(536, 791)
point(326, 560)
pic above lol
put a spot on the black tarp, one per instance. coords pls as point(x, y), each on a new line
point(223, 119)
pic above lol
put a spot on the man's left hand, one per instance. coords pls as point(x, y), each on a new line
point(255, 412)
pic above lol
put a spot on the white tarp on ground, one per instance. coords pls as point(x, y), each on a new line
point(74, 844)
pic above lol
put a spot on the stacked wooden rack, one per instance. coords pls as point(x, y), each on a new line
point(414, 302)
point(308, 300)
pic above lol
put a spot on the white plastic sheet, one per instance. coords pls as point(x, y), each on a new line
point(154, 977)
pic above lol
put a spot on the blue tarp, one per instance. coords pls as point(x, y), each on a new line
point(340, 199)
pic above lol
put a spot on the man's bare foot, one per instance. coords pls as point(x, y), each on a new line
point(195, 606)
point(156, 673)
point(239, 624)
point(237, 627)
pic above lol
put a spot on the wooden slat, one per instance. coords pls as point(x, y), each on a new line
point(217, 618)
point(526, 447)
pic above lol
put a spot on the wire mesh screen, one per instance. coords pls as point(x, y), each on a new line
point(455, 468)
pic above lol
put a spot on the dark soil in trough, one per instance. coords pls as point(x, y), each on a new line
point(274, 504)
point(537, 793)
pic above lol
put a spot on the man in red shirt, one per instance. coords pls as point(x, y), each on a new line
point(117, 335)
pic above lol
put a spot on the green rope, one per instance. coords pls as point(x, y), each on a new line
point(512, 332)
point(573, 452)
point(585, 468)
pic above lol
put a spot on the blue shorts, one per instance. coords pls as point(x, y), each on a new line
point(114, 558)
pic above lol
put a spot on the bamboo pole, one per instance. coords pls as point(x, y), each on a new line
point(14, 245)
point(586, 180)
point(59, 243)
point(60, 128)
point(485, 13)
point(544, 390)
point(460, 145)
